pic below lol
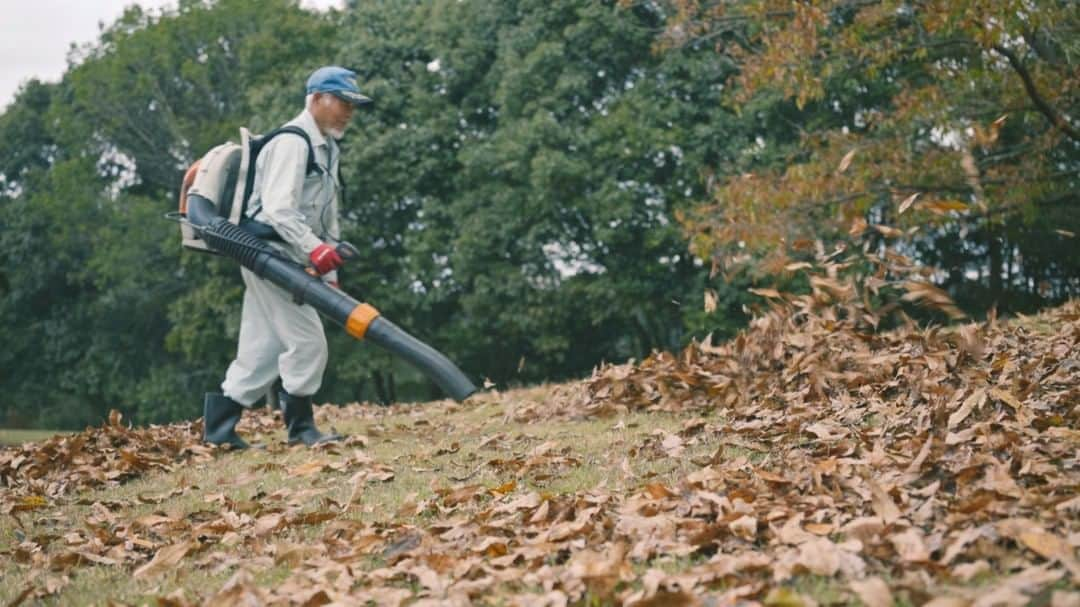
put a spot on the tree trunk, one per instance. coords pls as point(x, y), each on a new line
point(995, 267)
point(379, 382)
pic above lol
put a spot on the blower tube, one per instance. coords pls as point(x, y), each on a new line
point(360, 320)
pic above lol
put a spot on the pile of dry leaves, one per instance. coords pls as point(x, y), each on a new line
point(925, 457)
point(106, 455)
point(116, 452)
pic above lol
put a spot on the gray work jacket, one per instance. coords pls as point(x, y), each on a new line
point(302, 208)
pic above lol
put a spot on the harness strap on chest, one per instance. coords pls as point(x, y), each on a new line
point(257, 146)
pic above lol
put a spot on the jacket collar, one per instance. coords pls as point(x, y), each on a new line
point(307, 122)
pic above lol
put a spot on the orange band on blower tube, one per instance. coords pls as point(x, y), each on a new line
point(359, 319)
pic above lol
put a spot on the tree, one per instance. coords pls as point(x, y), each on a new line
point(102, 311)
point(513, 186)
point(949, 119)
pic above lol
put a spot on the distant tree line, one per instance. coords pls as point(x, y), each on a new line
point(541, 185)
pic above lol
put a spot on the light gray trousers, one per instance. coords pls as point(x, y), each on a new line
point(277, 338)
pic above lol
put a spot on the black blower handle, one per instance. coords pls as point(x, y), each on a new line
point(347, 251)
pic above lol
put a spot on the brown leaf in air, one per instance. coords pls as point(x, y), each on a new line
point(845, 162)
point(906, 204)
point(710, 301)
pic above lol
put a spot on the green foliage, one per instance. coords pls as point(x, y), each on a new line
point(515, 183)
point(954, 121)
point(100, 310)
point(518, 190)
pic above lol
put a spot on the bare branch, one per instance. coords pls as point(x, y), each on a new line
point(1029, 85)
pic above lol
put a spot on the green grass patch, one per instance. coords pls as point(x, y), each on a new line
point(18, 437)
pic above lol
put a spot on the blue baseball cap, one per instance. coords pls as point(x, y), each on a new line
point(337, 81)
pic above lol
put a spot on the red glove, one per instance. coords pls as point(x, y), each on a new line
point(325, 259)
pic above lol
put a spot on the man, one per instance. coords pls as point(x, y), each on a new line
point(279, 338)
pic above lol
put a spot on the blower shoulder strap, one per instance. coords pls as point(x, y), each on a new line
point(254, 146)
point(258, 144)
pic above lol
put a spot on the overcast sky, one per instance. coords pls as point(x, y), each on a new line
point(35, 35)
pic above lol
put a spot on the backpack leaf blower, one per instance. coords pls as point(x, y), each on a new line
point(207, 225)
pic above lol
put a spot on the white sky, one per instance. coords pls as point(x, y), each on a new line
point(35, 35)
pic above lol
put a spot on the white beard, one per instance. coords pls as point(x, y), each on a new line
point(337, 134)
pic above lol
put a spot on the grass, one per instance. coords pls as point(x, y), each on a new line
point(18, 437)
point(428, 447)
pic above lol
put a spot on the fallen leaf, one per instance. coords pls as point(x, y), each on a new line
point(975, 400)
point(165, 559)
point(1051, 547)
point(744, 527)
point(884, 506)
point(910, 546)
point(309, 468)
point(1064, 598)
point(872, 591)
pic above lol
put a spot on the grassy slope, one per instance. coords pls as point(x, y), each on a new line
point(408, 439)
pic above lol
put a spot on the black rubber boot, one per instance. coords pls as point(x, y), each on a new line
point(300, 420)
point(220, 416)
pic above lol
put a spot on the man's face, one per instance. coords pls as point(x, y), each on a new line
point(332, 114)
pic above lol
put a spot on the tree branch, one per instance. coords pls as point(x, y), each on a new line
point(1055, 118)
